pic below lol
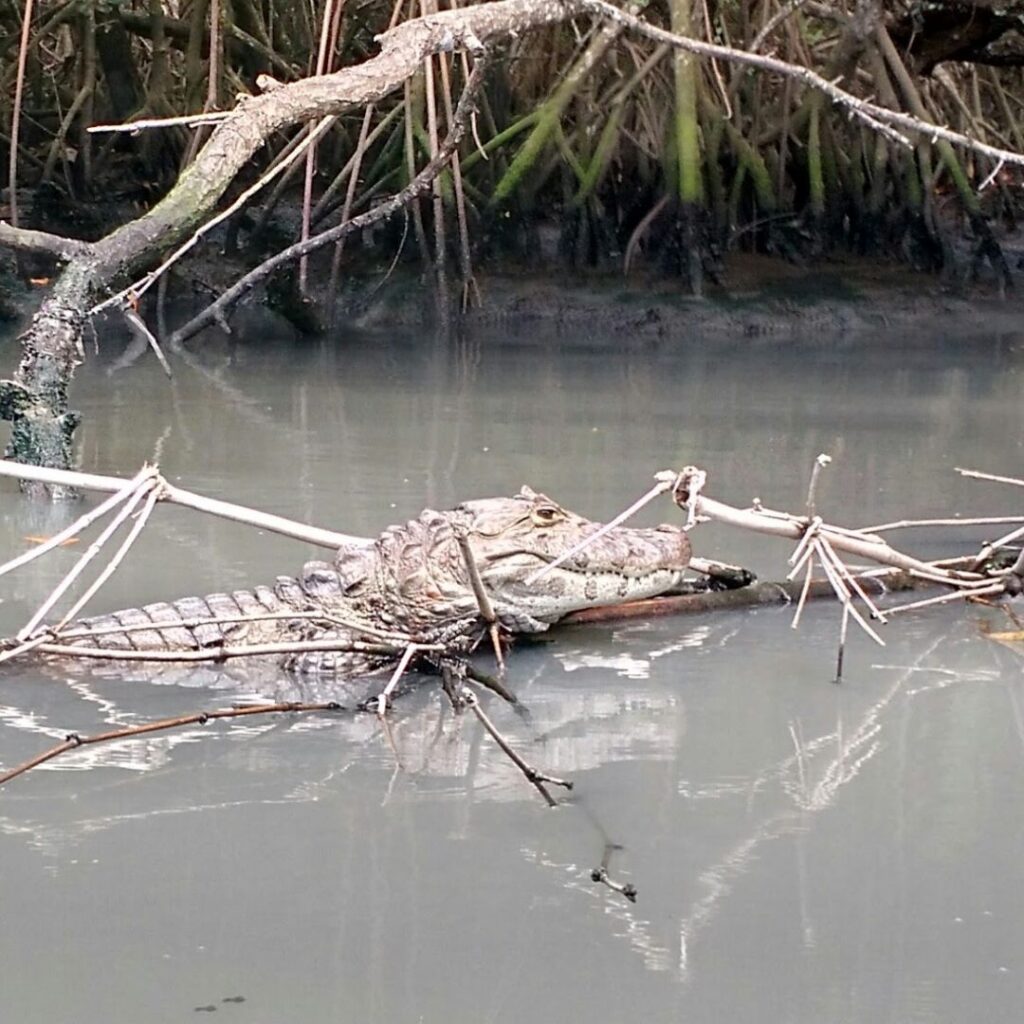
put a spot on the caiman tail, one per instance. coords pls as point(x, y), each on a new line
point(293, 610)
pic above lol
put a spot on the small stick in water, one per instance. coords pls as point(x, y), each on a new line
point(842, 642)
point(385, 695)
point(976, 475)
point(138, 327)
point(819, 464)
point(600, 874)
point(533, 776)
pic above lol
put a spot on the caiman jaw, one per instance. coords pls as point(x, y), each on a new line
point(622, 565)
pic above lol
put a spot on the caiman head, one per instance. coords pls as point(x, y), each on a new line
point(415, 578)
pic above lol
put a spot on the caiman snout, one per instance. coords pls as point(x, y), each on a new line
point(633, 552)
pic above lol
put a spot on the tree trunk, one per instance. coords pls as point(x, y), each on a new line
point(36, 400)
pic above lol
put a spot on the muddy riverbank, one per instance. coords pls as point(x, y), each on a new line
point(760, 296)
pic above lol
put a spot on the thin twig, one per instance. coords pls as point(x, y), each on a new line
point(957, 595)
point(842, 642)
point(403, 664)
point(111, 566)
point(140, 330)
point(192, 120)
point(483, 601)
point(819, 464)
point(600, 874)
point(74, 740)
point(907, 524)
point(976, 475)
point(803, 548)
point(93, 550)
point(495, 685)
point(23, 648)
point(122, 490)
point(533, 776)
point(804, 591)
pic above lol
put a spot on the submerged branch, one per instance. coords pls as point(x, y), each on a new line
point(73, 740)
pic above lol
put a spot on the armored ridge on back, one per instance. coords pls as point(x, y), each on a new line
point(413, 584)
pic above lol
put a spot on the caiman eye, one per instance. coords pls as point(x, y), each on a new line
point(545, 515)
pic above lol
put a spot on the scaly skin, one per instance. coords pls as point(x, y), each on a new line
point(413, 583)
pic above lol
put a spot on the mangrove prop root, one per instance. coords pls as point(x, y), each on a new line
point(74, 740)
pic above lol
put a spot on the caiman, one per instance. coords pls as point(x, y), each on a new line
point(413, 584)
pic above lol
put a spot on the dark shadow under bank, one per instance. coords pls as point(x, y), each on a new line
point(762, 297)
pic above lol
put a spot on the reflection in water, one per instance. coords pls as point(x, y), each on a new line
point(802, 851)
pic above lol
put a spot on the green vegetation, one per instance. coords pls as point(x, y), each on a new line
point(634, 151)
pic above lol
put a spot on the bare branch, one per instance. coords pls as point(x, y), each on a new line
point(976, 475)
point(27, 240)
point(73, 740)
point(417, 187)
point(177, 496)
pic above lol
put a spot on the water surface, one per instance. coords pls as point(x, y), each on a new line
point(803, 852)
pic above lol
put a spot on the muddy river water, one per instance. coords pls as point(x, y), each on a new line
point(803, 852)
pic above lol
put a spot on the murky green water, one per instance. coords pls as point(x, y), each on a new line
point(803, 852)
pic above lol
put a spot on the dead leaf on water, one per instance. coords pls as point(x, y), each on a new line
point(1014, 639)
point(32, 539)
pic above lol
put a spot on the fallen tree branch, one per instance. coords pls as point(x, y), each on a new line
point(420, 184)
point(26, 240)
point(751, 596)
point(176, 496)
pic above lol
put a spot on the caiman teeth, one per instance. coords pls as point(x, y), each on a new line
point(618, 575)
